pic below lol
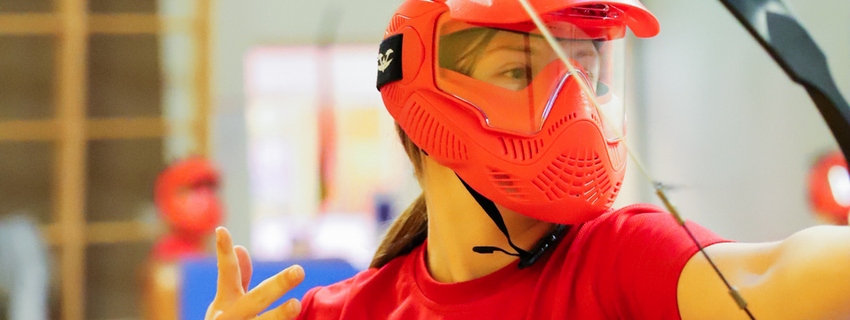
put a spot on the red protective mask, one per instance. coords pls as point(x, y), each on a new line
point(829, 188)
point(185, 194)
point(475, 86)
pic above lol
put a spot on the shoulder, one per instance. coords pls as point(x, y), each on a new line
point(629, 260)
point(332, 301)
point(644, 234)
point(621, 216)
point(645, 223)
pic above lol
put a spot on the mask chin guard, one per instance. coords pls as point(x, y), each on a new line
point(526, 258)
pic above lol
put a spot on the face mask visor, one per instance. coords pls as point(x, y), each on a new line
point(512, 76)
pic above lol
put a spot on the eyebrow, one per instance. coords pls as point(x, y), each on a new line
point(512, 47)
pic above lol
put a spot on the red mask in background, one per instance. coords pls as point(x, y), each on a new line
point(829, 188)
point(185, 194)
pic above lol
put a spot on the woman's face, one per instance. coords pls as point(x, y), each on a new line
point(511, 60)
point(526, 68)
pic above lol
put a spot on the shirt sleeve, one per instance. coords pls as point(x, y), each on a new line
point(307, 305)
point(321, 303)
point(328, 302)
point(644, 251)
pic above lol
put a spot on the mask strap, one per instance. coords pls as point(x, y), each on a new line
point(526, 258)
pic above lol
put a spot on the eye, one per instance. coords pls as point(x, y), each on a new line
point(582, 54)
point(517, 73)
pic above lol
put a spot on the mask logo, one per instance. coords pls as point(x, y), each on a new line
point(384, 60)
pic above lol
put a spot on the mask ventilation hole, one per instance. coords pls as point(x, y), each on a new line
point(595, 118)
point(617, 159)
point(521, 149)
point(433, 136)
point(613, 195)
point(554, 127)
point(577, 174)
point(396, 23)
point(507, 183)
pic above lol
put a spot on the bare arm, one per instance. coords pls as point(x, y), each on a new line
point(806, 276)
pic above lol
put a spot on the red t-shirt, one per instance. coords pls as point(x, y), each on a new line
point(622, 265)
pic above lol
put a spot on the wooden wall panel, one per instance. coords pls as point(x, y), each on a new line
point(123, 6)
point(121, 177)
point(124, 76)
point(70, 162)
point(114, 275)
point(27, 81)
point(25, 179)
point(21, 6)
point(81, 137)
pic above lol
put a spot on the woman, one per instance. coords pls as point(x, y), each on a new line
point(520, 156)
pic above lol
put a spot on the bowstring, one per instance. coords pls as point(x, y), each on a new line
point(659, 189)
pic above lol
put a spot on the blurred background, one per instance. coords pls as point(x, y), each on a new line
point(97, 97)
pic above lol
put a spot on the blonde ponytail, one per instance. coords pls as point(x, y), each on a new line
point(411, 227)
point(408, 231)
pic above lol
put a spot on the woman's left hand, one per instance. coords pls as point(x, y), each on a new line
point(234, 301)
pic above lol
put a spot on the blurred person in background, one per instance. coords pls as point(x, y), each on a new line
point(24, 270)
point(520, 157)
point(186, 198)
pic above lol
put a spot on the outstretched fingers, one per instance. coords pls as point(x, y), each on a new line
point(229, 278)
point(286, 311)
point(245, 266)
point(267, 292)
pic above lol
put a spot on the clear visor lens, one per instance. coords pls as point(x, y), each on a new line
point(513, 76)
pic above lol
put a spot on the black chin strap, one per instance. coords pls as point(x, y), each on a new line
point(526, 258)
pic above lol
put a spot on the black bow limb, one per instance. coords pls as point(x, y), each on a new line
point(791, 46)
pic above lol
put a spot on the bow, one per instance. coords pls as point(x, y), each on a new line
point(790, 45)
point(785, 39)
